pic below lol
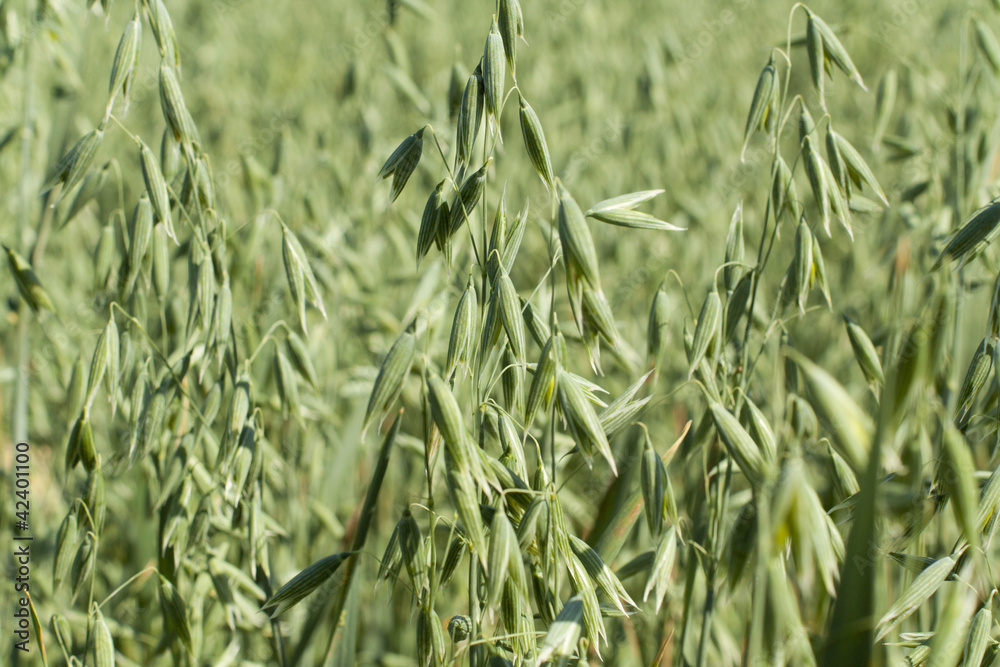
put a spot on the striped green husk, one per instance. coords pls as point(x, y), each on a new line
point(624, 411)
point(467, 198)
point(391, 375)
point(850, 426)
point(918, 592)
point(814, 47)
point(857, 169)
point(836, 162)
point(597, 315)
point(432, 221)
point(513, 379)
point(504, 557)
point(498, 234)
point(564, 632)
point(175, 112)
point(463, 455)
point(512, 239)
point(83, 564)
point(707, 330)
point(392, 558)
point(402, 163)
point(27, 282)
point(662, 566)
point(494, 72)
point(470, 117)
point(301, 279)
point(463, 331)
point(456, 549)
point(584, 587)
point(66, 542)
point(989, 502)
point(601, 574)
point(974, 235)
point(75, 164)
point(656, 329)
point(735, 250)
point(957, 479)
point(431, 648)
point(492, 328)
point(161, 259)
point(979, 635)
point(543, 382)
point(582, 420)
point(802, 264)
point(817, 180)
point(105, 364)
point(784, 197)
point(975, 379)
point(465, 498)
point(91, 187)
point(63, 632)
point(126, 58)
point(175, 611)
point(535, 145)
point(761, 430)
point(163, 31)
point(533, 520)
point(535, 324)
point(302, 584)
point(411, 547)
point(819, 272)
point(156, 186)
point(807, 126)
point(578, 247)
point(760, 107)
point(835, 51)
point(747, 454)
point(104, 646)
point(740, 544)
point(511, 23)
point(448, 418)
point(140, 235)
point(510, 316)
point(170, 154)
point(652, 484)
point(864, 352)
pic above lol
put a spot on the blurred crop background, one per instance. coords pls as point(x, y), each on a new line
point(298, 105)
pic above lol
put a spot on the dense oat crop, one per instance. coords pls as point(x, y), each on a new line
point(439, 333)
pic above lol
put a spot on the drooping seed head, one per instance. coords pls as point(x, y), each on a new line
point(175, 112)
point(126, 58)
point(402, 163)
point(470, 117)
point(578, 247)
point(430, 221)
point(760, 107)
point(391, 375)
point(156, 186)
point(27, 282)
point(468, 197)
point(494, 72)
point(864, 352)
point(511, 24)
point(534, 143)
